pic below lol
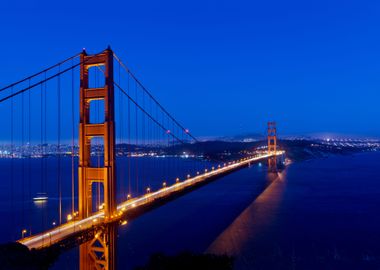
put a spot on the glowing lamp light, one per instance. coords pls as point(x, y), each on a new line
point(124, 222)
point(188, 176)
point(186, 131)
point(69, 217)
point(148, 189)
point(164, 184)
point(177, 179)
point(128, 196)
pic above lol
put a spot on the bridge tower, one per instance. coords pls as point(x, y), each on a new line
point(272, 146)
point(99, 253)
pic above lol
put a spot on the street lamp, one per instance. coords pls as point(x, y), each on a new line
point(23, 232)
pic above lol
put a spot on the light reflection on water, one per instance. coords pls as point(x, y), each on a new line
point(253, 220)
point(40, 204)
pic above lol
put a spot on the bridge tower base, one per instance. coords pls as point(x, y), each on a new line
point(99, 253)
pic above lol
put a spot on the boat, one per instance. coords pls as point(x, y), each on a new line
point(41, 197)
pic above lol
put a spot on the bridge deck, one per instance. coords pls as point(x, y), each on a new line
point(59, 233)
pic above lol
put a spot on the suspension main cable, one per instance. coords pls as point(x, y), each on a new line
point(153, 98)
point(39, 73)
point(46, 79)
point(38, 83)
point(147, 114)
point(140, 107)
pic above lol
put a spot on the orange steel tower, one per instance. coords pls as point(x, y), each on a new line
point(99, 253)
point(272, 146)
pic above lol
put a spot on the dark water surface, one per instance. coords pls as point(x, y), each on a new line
point(318, 214)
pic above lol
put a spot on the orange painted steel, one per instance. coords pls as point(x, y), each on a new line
point(100, 253)
point(272, 146)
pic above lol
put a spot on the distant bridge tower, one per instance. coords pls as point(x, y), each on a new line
point(272, 146)
point(99, 253)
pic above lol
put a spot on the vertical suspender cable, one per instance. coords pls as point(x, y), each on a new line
point(43, 146)
point(137, 142)
point(143, 142)
point(41, 151)
point(72, 141)
point(121, 125)
point(45, 135)
point(59, 145)
point(129, 139)
point(23, 161)
point(29, 157)
point(12, 165)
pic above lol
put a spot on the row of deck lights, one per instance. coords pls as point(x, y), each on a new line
point(164, 184)
point(70, 217)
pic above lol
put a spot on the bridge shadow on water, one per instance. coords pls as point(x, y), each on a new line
point(259, 213)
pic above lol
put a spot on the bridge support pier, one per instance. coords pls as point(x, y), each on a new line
point(99, 253)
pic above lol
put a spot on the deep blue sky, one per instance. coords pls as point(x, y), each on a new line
point(221, 67)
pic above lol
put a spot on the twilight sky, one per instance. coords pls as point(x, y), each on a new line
point(221, 67)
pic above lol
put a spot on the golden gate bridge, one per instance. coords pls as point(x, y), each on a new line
point(121, 125)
